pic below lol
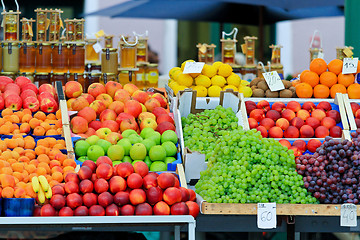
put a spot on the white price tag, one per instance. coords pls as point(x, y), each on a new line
point(349, 65)
point(97, 47)
point(193, 67)
point(266, 215)
point(348, 217)
point(273, 80)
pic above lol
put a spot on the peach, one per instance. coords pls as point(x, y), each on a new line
point(335, 115)
point(121, 198)
point(88, 113)
point(335, 132)
point(303, 114)
point(133, 107)
point(101, 185)
point(88, 97)
point(294, 106)
point(104, 159)
point(107, 114)
point(47, 211)
point(354, 107)
point(127, 210)
point(79, 125)
point(71, 187)
point(300, 144)
point(296, 151)
point(137, 196)
point(313, 122)
point(321, 132)
point(328, 122)
point(282, 123)
point(291, 132)
point(267, 123)
point(297, 122)
point(74, 200)
point(104, 171)
point(172, 195)
point(58, 201)
point(105, 98)
point(86, 186)
point(306, 131)
point(162, 100)
point(288, 114)
point(253, 123)
point(263, 131)
point(95, 89)
point(194, 208)
point(318, 113)
point(324, 105)
point(98, 106)
point(85, 172)
point(79, 104)
point(130, 88)
point(73, 89)
point(117, 184)
point(140, 96)
point(96, 210)
point(278, 106)
point(276, 132)
point(161, 208)
point(264, 105)
point(250, 105)
point(357, 114)
point(89, 199)
point(105, 199)
point(124, 169)
point(117, 107)
point(309, 106)
point(257, 114)
point(134, 181)
point(166, 180)
point(285, 143)
point(151, 104)
point(81, 211)
point(179, 209)
point(143, 209)
point(274, 115)
point(111, 87)
point(112, 210)
point(122, 95)
point(313, 144)
point(149, 181)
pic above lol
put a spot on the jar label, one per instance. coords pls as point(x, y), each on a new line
point(152, 77)
point(140, 77)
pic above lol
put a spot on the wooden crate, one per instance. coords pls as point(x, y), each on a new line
point(349, 113)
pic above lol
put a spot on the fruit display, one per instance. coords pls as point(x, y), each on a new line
point(114, 108)
point(331, 175)
point(300, 146)
point(24, 94)
point(155, 149)
point(294, 119)
point(210, 82)
point(244, 167)
point(260, 89)
point(42, 188)
point(101, 189)
point(325, 80)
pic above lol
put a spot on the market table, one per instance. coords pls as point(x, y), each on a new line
point(103, 223)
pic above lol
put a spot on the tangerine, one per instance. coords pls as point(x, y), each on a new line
point(335, 66)
point(354, 91)
point(328, 79)
point(318, 65)
point(346, 79)
point(310, 78)
point(337, 88)
point(321, 91)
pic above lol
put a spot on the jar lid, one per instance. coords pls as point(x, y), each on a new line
point(153, 65)
point(95, 74)
point(7, 73)
point(109, 74)
point(28, 43)
point(41, 73)
point(91, 40)
point(80, 44)
point(44, 43)
point(11, 43)
point(59, 73)
point(27, 73)
point(110, 49)
point(79, 74)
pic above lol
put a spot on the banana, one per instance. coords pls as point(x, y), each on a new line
point(44, 183)
point(35, 184)
point(41, 196)
point(48, 194)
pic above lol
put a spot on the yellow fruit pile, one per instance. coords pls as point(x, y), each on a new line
point(210, 82)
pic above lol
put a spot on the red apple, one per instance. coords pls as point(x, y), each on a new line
point(31, 103)
point(48, 105)
point(13, 102)
point(128, 124)
point(133, 107)
point(95, 89)
point(159, 111)
point(164, 126)
point(88, 113)
point(111, 87)
point(162, 100)
point(108, 114)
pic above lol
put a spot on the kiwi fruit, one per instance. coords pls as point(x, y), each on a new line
point(254, 87)
point(258, 93)
point(270, 94)
point(263, 85)
point(293, 90)
point(255, 81)
point(286, 93)
point(287, 84)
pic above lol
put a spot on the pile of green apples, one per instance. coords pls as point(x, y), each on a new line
point(155, 149)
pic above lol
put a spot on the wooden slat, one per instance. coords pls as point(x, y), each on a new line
point(346, 135)
point(281, 209)
point(180, 171)
point(64, 112)
point(68, 141)
point(349, 112)
point(340, 102)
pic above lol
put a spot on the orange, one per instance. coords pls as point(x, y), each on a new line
point(337, 88)
point(335, 66)
point(304, 90)
point(69, 162)
point(25, 128)
point(39, 131)
point(7, 111)
point(58, 114)
point(321, 91)
point(7, 192)
point(34, 122)
point(14, 119)
point(45, 125)
point(26, 118)
point(40, 115)
point(30, 168)
point(346, 79)
point(57, 176)
point(318, 65)
point(328, 79)
point(309, 77)
point(51, 116)
point(354, 91)
point(43, 158)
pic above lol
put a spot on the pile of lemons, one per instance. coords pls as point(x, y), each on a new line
point(210, 82)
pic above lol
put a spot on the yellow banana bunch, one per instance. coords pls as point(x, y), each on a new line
point(41, 186)
point(41, 196)
point(44, 183)
point(35, 184)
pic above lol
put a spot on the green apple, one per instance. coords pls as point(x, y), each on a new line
point(92, 139)
point(169, 160)
point(157, 153)
point(126, 145)
point(146, 131)
point(81, 148)
point(127, 159)
point(115, 152)
point(156, 136)
point(116, 162)
point(148, 161)
point(169, 135)
point(170, 148)
point(83, 158)
point(138, 151)
point(104, 144)
point(128, 132)
point(136, 161)
point(135, 138)
point(148, 144)
point(94, 152)
point(158, 166)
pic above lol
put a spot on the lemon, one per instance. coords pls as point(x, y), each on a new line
point(214, 91)
point(218, 81)
point(173, 70)
point(217, 65)
point(183, 64)
point(230, 87)
point(176, 75)
point(234, 79)
point(225, 70)
point(209, 71)
point(201, 91)
point(194, 75)
point(185, 80)
point(172, 84)
point(244, 83)
point(245, 90)
point(178, 88)
point(203, 80)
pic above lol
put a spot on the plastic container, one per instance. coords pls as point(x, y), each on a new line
point(18, 207)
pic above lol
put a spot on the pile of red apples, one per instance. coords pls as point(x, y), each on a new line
point(116, 108)
point(22, 93)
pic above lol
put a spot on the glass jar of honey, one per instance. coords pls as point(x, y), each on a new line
point(152, 76)
point(90, 54)
point(105, 77)
point(43, 57)
point(11, 75)
point(62, 77)
point(77, 58)
point(60, 58)
point(93, 78)
point(10, 57)
point(27, 57)
point(128, 53)
point(109, 60)
point(41, 78)
point(77, 77)
point(123, 77)
point(140, 76)
point(29, 75)
point(11, 26)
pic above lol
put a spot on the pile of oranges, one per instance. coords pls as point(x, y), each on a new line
point(324, 80)
point(21, 159)
point(22, 122)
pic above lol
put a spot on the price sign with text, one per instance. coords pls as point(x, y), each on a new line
point(97, 47)
point(348, 217)
point(266, 215)
point(350, 65)
point(273, 80)
point(193, 67)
